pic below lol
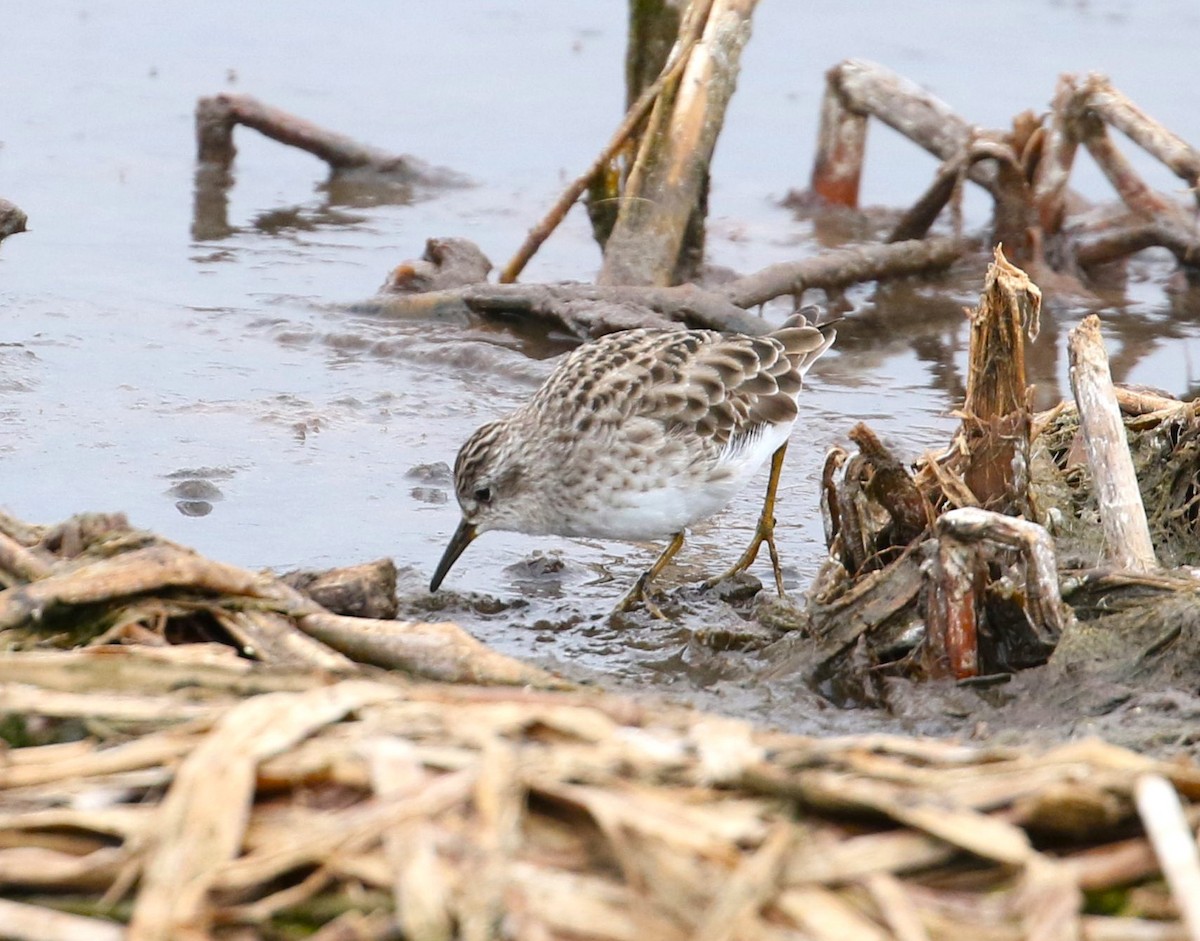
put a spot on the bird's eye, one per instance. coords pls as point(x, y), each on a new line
point(483, 494)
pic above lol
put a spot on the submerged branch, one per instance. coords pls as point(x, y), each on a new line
point(588, 310)
point(843, 267)
point(585, 310)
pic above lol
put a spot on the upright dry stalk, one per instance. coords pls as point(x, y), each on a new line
point(1171, 835)
point(602, 165)
point(671, 171)
point(995, 426)
point(1122, 515)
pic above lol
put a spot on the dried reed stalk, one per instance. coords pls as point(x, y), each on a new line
point(437, 809)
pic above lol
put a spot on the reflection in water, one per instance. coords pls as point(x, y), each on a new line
point(290, 219)
point(929, 319)
point(194, 490)
point(194, 507)
point(353, 189)
point(210, 204)
point(210, 207)
point(365, 191)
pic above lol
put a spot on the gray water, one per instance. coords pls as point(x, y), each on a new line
point(142, 367)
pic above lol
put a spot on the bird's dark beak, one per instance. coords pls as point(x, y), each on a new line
point(463, 536)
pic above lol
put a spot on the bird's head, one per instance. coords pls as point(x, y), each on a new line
point(488, 476)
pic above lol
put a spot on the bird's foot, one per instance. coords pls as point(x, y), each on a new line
point(763, 532)
point(640, 593)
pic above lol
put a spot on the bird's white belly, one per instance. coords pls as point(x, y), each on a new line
point(683, 499)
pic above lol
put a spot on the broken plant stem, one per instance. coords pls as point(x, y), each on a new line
point(217, 116)
point(995, 416)
point(955, 599)
point(1122, 514)
point(842, 267)
point(633, 117)
point(670, 175)
point(857, 89)
point(1181, 158)
point(1162, 815)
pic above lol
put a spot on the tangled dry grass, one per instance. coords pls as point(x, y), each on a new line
point(195, 794)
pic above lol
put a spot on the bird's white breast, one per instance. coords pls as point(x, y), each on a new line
point(683, 499)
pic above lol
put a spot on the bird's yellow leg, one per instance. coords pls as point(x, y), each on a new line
point(640, 591)
point(763, 532)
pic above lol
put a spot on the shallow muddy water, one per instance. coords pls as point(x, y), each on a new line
point(221, 388)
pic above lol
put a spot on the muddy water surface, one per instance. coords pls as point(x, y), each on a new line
point(219, 387)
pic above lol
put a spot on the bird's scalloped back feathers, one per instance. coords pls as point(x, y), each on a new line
point(805, 343)
point(607, 373)
point(718, 385)
point(768, 396)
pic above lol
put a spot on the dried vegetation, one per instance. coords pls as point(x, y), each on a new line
point(183, 792)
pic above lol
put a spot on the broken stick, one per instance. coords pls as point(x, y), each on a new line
point(955, 599)
point(994, 438)
point(1122, 514)
point(634, 117)
point(216, 117)
point(672, 166)
point(857, 89)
